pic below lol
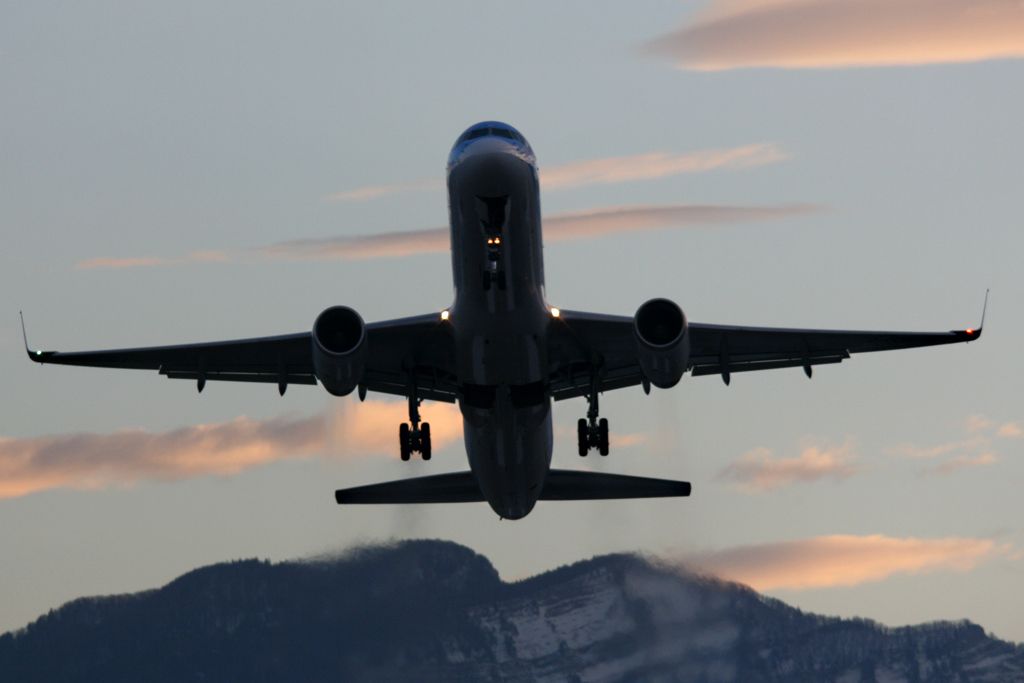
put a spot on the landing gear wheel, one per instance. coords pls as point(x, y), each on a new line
point(425, 449)
point(582, 437)
point(404, 442)
point(602, 436)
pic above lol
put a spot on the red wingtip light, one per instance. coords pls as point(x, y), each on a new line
point(970, 332)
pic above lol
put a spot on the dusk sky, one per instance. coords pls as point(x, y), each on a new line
point(190, 171)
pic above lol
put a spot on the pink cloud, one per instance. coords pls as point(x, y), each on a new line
point(760, 470)
point(563, 227)
point(603, 171)
point(1010, 430)
point(92, 461)
point(843, 560)
point(730, 34)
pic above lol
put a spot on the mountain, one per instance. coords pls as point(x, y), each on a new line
point(428, 611)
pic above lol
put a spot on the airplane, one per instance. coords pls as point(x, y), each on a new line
point(502, 352)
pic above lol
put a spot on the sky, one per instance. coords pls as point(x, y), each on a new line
point(194, 171)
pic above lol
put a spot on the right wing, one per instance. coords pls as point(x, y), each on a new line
point(419, 347)
point(585, 343)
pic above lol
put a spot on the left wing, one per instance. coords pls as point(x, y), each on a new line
point(583, 343)
point(398, 351)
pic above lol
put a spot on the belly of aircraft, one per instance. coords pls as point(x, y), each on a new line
point(509, 449)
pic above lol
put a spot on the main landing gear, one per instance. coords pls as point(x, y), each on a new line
point(413, 436)
point(590, 431)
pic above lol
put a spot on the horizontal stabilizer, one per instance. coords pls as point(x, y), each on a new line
point(578, 485)
point(461, 487)
point(456, 487)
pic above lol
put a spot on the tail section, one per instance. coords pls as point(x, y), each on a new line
point(461, 487)
point(576, 485)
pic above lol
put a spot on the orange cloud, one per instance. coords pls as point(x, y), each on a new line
point(604, 171)
point(367, 192)
point(1010, 430)
point(843, 560)
point(655, 165)
point(965, 461)
point(977, 450)
point(732, 34)
point(90, 461)
point(559, 228)
point(759, 469)
point(148, 261)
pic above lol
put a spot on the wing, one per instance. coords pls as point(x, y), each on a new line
point(583, 342)
point(398, 350)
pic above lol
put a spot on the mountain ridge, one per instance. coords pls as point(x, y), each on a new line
point(429, 610)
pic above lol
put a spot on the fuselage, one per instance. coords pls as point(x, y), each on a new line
point(500, 317)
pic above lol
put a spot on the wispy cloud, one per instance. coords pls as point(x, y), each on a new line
point(90, 461)
point(977, 449)
point(760, 470)
point(1010, 430)
point(731, 34)
point(965, 461)
point(843, 560)
point(930, 452)
point(655, 165)
point(608, 170)
point(367, 192)
point(558, 228)
point(149, 261)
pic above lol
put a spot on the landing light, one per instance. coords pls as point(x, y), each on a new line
point(555, 312)
point(444, 315)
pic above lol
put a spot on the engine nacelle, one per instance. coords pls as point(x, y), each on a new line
point(663, 345)
point(339, 349)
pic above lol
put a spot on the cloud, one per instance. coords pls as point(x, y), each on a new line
point(149, 261)
point(558, 228)
point(964, 461)
point(604, 171)
point(978, 423)
point(759, 470)
point(977, 450)
point(367, 192)
point(843, 560)
point(91, 461)
point(732, 34)
point(1010, 430)
point(909, 450)
point(655, 165)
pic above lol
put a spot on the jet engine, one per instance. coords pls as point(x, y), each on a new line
point(663, 346)
point(339, 349)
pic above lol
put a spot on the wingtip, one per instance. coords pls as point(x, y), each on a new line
point(974, 333)
point(34, 356)
point(984, 310)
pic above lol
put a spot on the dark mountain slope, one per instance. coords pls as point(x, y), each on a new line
point(435, 611)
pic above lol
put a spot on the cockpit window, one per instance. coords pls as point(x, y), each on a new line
point(506, 133)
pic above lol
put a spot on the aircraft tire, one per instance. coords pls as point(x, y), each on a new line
point(425, 446)
point(582, 437)
point(404, 442)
